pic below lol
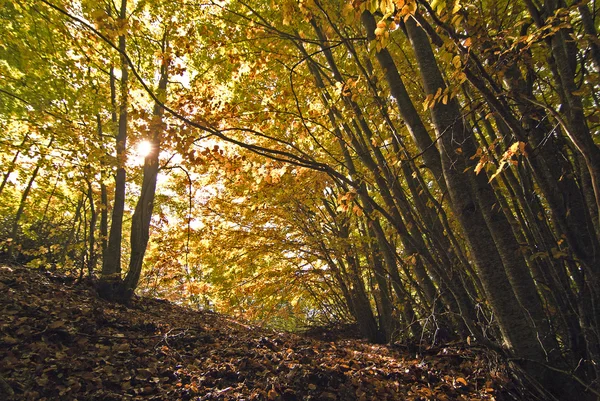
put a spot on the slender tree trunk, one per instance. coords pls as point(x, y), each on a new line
point(575, 127)
point(406, 107)
point(111, 264)
point(464, 191)
point(591, 32)
point(140, 224)
point(103, 194)
point(12, 165)
point(386, 324)
point(15, 226)
point(14, 232)
point(92, 256)
point(72, 232)
point(360, 304)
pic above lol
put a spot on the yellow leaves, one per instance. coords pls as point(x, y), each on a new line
point(438, 5)
point(456, 7)
point(348, 13)
point(406, 8)
point(287, 10)
point(97, 15)
point(345, 88)
point(457, 19)
point(456, 62)
point(381, 28)
point(441, 95)
point(516, 149)
point(427, 103)
point(382, 34)
point(386, 6)
point(306, 7)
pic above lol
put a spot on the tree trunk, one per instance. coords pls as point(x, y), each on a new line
point(15, 226)
point(14, 232)
point(140, 224)
point(110, 279)
point(464, 192)
point(92, 256)
point(406, 107)
point(13, 163)
point(111, 263)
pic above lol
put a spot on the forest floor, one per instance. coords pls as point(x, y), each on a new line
point(58, 340)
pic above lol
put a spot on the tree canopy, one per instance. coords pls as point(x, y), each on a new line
point(425, 169)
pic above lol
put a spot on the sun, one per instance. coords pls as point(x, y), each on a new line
point(144, 148)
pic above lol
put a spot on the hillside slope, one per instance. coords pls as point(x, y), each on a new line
point(59, 341)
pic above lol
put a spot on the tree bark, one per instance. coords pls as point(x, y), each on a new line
point(465, 194)
point(140, 224)
point(111, 265)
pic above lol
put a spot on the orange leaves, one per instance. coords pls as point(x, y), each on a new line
point(345, 204)
point(99, 348)
point(441, 95)
point(344, 201)
point(483, 156)
point(461, 381)
point(508, 158)
point(381, 29)
point(406, 8)
point(197, 288)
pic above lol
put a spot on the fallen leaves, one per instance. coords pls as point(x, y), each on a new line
point(62, 342)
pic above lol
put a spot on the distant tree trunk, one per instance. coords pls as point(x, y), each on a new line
point(92, 257)
point(42, 221)
point(103, 219)
point(590, 30)
point(385, 305)
point(103, 194)
point(575, 127)
point(357, 297)
point(15, 226)
point(13, 163)
point(72, 232)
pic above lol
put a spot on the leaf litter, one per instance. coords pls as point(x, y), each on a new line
point(58, 340)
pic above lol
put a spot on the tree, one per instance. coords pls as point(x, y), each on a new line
point(428, 164)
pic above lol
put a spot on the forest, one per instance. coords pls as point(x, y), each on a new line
point(427, 170)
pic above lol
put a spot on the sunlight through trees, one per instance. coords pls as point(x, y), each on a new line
point(425, 169)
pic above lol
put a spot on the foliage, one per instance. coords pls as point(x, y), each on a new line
point(87, 348)
point(417, 167)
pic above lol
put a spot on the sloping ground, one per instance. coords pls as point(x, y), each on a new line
point(59, 341)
